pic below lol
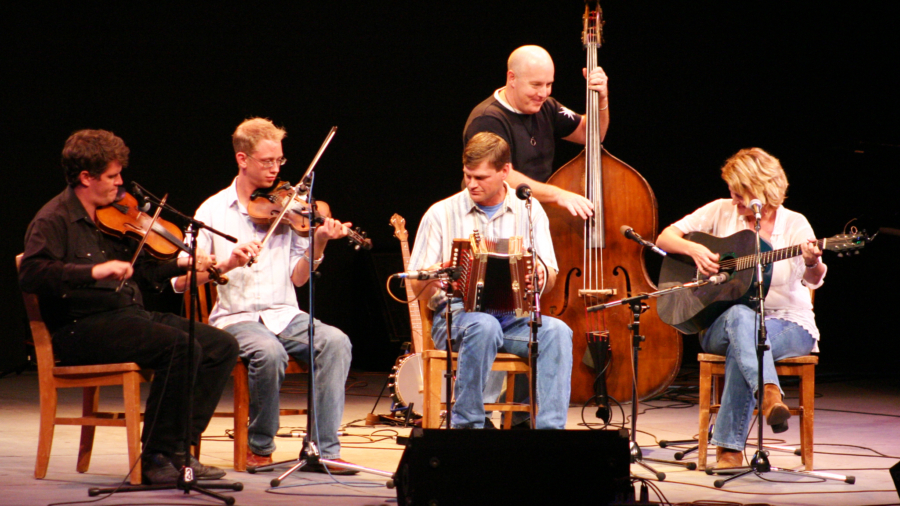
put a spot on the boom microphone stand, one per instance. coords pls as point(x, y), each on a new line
point(636, 303)
point(186, 479)
point(309, 454)
point(759, 464)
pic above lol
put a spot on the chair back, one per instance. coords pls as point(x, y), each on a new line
point(43, 345)
point(427, 316)
point(207, 294)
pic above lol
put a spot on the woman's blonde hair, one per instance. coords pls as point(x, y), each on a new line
point(753, 173)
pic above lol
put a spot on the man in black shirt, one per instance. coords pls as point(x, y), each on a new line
point(525, 115)
point(75, 269)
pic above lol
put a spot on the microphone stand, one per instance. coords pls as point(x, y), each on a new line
point(534, 322)
point(759, 464)
point(309, 454)
point(186, 480)
point(636, 303)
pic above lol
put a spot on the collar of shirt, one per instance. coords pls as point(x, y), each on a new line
point(504, 103)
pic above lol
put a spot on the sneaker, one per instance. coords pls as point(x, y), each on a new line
point(157, 468)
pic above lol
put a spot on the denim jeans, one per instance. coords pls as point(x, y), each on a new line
point(478, 337)
point(734, 334)
point(267, 356)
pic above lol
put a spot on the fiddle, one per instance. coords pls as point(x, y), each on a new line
point(267, 204)
point(122, 218)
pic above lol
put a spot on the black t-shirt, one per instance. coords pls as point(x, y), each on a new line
point(533, 159)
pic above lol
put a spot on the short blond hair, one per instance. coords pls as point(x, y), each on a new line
point(753, 173)
point(486, 147)
point(248, 134)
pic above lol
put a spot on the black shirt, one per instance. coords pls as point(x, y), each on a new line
point(62, 245)
point(553, 121)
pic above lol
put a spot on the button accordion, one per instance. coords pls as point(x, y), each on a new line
point(493, 275)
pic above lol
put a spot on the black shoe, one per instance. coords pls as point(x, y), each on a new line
point(157, 468)
point(204, 472)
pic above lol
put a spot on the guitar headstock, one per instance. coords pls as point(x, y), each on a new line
point(399, 224)
point(845, 244)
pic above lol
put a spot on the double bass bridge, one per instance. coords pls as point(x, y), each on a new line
point(593, 297)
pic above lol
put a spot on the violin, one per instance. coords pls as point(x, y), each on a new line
point(266, 204)
point(122, 218)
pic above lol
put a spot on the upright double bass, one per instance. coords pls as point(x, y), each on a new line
point(599, 265)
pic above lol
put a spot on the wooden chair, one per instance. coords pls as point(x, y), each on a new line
point(713, 366)
point(241, 414)
point(435, 364)
point(89, 378)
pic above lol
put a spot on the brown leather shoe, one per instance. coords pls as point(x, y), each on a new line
point(775, 411)
point(254, 460)
point(726, 458)
point(320, 468)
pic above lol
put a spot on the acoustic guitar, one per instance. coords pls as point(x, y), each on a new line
point(691, 311)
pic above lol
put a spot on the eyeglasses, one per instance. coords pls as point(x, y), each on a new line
point(268, 164)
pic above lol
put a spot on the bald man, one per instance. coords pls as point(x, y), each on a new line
point(531, 121)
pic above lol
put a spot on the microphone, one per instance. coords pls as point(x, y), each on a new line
point(719, 278)
point(634, 236)
point(523, 191)
point(143, 201)
point(451, 272)
point(756, 204)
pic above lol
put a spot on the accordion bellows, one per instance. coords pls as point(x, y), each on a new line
point(493, 276)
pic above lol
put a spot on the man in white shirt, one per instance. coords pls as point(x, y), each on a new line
point(489, 205)
point(259, 304)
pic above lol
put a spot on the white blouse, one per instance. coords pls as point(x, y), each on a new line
point(789, 295)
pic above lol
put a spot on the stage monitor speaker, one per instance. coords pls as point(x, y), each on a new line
point(895, 475)
point(448, 467)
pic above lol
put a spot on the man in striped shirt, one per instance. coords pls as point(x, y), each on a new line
point(489, 206)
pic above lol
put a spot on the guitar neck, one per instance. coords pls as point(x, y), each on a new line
point(768, 257)
point(415, 318)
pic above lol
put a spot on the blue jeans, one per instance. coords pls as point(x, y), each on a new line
point(478, 337)
point(734, 335)
point(267, 357)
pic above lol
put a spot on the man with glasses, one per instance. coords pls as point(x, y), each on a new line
point(259, 304)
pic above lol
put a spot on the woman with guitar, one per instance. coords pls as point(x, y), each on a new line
point(753, 176)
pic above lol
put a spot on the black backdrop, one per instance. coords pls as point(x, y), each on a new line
point(691, 83)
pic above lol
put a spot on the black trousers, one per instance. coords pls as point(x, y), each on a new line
point(157, 341)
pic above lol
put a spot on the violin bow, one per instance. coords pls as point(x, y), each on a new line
point(294, 193)
point(140, 247)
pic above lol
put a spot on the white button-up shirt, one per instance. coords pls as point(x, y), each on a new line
point(263, 291)
point(457, 217)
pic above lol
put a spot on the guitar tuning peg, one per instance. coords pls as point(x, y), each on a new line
point(356, 247)
point(840, 255)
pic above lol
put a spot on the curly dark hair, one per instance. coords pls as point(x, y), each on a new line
point(92, 150)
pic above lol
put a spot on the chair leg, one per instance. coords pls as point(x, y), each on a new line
point(807, 415)
point(45, 435)
point(90, 403)
point(705, 398)
point(131, 392)
point(432, 398)
point(510, 398)
point(241, 415)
